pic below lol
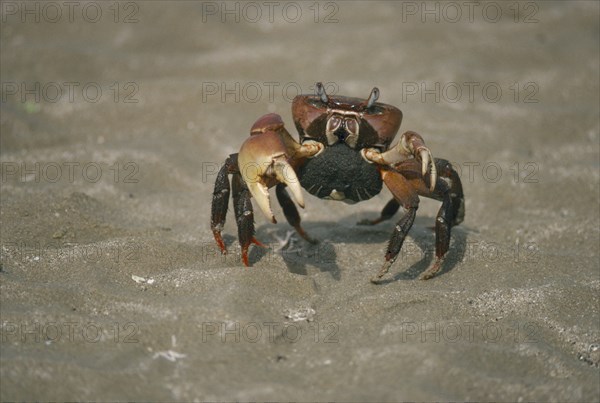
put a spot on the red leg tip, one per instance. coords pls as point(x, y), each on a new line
point(246, 247)
point(220, 242)
point(245, 256)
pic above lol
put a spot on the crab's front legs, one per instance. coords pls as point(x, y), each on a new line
point(220, 200)
point(411, 145)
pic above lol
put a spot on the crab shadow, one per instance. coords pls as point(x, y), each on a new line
point(337, 237)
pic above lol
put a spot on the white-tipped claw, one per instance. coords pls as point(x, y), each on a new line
point(286, 174)
point(264, 160)
point(310, 149)
point(426, 164)
point(261, 194)
point(367, 154)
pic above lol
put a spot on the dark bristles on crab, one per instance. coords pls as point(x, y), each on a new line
point(340, 173)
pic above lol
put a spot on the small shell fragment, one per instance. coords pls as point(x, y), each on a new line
point(138, 279)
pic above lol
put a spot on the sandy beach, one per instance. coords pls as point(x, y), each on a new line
point(116, 116)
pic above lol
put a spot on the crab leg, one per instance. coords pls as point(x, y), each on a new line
point(411, 145)
point(244, 216)
point(220, 199)
point(408, 198)
point(451, 213)
point(405, 183)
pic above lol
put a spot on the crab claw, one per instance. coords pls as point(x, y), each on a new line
point(264, 161)
point(261, 166)
point(427, 163)
point(412, 143)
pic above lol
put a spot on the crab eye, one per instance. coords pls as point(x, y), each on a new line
point(351, 126)
point(333, 124)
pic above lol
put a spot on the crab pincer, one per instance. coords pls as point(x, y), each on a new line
point(265, 159)
point(411, 145)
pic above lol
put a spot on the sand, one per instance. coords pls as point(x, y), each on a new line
point(115, 118)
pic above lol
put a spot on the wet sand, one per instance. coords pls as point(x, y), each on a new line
point(111, 135)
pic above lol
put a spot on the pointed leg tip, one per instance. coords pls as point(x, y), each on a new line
point(433, 270)
point(384, 269)
point(305, 236)
point(222, 248)
point(245, 257)
point(220, 242)
point(245, 249)
point(376, 280)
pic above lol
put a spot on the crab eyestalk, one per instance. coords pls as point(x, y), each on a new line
point(373, 97)
point(320, 89)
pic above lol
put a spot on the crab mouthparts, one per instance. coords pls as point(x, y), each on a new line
point(341, 134)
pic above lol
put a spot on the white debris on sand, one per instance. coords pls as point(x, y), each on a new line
point(169, 355)
point(142, 280)
point(300, 314)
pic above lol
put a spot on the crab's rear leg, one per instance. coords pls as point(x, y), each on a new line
point(451, 213)
point(406, 196)
point(448, 189)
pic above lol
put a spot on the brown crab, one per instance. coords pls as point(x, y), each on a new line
point(344, 154)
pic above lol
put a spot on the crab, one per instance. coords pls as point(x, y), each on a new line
point(344, 153)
